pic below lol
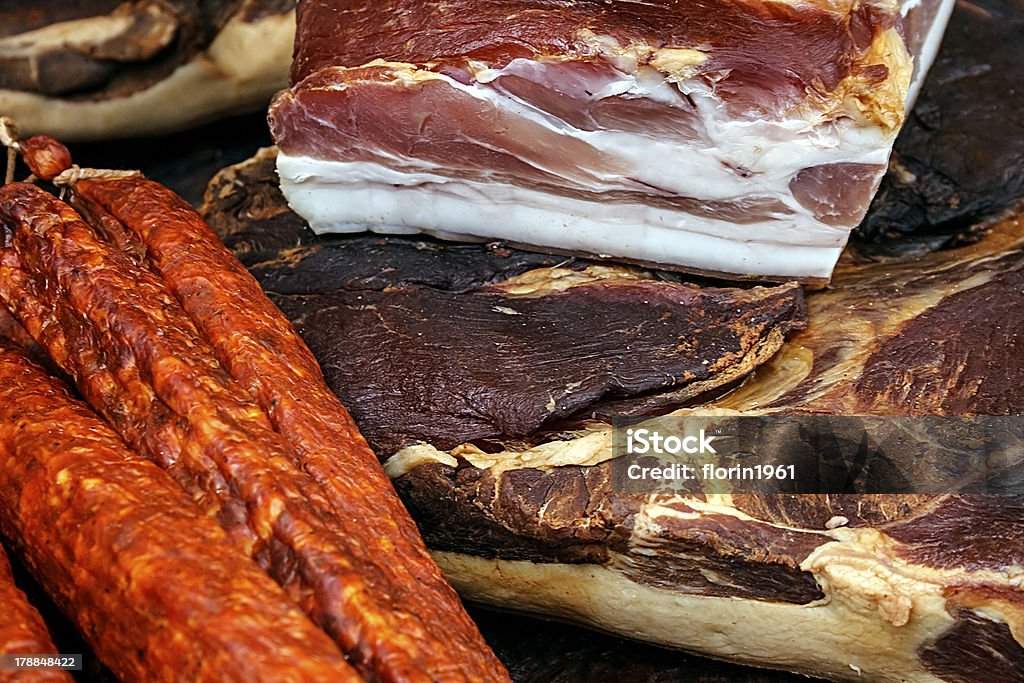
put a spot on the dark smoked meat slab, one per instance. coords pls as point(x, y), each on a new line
point(419, 363)
point(494, 344)
point(925, 335)
point(515, 530)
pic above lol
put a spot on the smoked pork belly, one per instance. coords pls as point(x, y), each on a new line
point(741, 137)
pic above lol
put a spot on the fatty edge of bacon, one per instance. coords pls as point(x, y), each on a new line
point(724, 196)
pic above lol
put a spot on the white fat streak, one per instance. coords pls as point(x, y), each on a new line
point(337, 196)
point(906, 7)
point(736, 160)
point(645, 82)
point(770, 153)
point(411, 457)
point(588, 450)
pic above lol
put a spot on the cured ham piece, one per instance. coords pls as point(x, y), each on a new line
point(726, 136)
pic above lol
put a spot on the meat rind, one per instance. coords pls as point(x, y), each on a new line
point(118, 70)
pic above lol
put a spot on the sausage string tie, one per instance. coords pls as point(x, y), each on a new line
point(69, 177)
point(9, 139)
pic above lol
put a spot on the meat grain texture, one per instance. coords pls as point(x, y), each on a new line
point(726, 136)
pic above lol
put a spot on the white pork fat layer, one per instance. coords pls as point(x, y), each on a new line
point(724, 160)
point(338, 196)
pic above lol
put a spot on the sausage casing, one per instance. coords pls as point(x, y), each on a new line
point(262, 351)
point(129, 320)
point(23, 631)
point(153, 583)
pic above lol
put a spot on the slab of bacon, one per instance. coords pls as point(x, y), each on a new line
point(728, 136)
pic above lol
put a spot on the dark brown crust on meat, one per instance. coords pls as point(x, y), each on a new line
point(254, 10)
point(476, 361)
point(152, 583)
point(566, 515)
point(761, 561)
point(128, 314)
point(481, 516)
point(161, 35)
point(573, 515)
point(22, 630)
point(809, 46)
point(261, 350)
point(550, 357)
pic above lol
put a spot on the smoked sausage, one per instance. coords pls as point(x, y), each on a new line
point(153, 583)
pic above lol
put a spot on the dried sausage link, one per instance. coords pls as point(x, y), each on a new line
point(261, 350)
point(11, 329)
point(152, 582)
point(108, 376)
point(129, 309)
point(23, 631)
